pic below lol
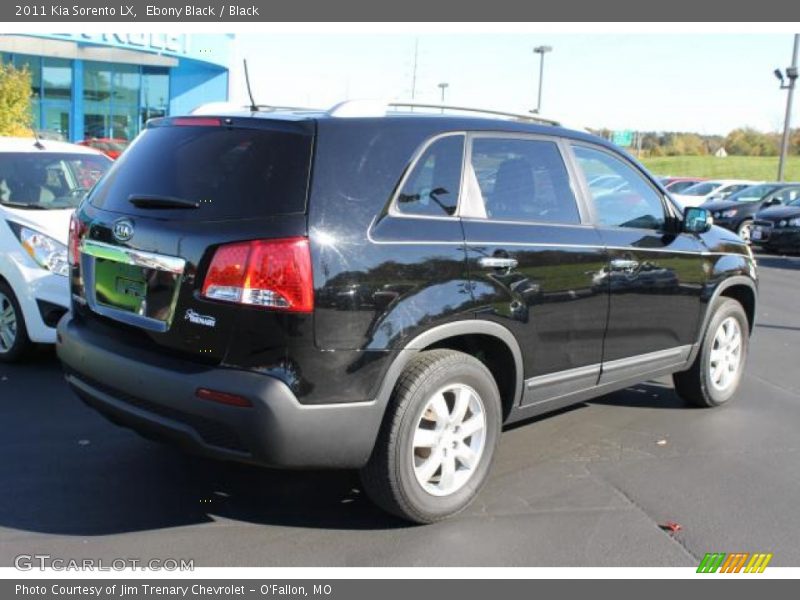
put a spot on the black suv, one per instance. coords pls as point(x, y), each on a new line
point(308, 289)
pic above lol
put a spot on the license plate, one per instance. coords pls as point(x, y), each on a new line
point(756, 234)
point(119, 285)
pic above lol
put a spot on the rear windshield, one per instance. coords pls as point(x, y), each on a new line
point(229, 172)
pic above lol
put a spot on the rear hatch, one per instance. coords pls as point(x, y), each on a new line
point(168, 240)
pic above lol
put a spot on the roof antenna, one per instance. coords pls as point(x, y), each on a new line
point(253, 105)
point(38, 145)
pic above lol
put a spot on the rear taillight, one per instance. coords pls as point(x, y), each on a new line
point(269, 273)
point(77, 229)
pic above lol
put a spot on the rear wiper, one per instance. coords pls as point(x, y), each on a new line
point(151, 201)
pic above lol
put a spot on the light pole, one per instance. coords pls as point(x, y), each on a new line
point(443, 86)
point(791, 75)
point(541, 51)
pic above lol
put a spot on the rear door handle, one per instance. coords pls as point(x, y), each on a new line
point(497, 262)
point(625, 265)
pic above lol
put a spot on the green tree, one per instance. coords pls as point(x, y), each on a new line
point(15, 101)
point(751, 142)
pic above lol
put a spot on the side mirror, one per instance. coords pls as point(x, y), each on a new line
point(697, 220)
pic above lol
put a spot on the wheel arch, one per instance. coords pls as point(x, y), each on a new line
point(740, 288)
point(491, 343)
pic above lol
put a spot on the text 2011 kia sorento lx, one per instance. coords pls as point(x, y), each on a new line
point(304, 289)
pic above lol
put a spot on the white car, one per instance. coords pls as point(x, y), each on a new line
point(714, 189)
point(41, 183)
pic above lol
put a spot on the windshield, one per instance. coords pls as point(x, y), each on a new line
point(48, 180)
point(754, 193)
point(701, 189)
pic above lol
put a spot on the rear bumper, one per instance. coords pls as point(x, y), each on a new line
point(157, 399)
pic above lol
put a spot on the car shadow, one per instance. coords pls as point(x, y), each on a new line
point(68, 471)
point(778, 262)
point(652, 394)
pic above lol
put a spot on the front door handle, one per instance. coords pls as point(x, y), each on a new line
point(625, 265)
point(497, 262)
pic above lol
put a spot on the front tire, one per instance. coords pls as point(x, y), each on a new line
point(438, 438)
point(744, 229)
point(14, 341)
point(715, 375)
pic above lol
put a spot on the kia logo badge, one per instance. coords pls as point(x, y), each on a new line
point(123, 230)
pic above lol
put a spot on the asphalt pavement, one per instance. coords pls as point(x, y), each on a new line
point(595, 485)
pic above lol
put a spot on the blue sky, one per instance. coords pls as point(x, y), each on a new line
point(710, 83)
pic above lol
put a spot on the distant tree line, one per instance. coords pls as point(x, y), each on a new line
point(744, 141)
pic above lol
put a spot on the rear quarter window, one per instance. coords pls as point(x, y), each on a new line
point(231, 172)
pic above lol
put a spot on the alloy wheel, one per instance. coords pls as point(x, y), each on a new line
point(745, 230)
point(726, 354)
point(449, 439)
point(8, 324)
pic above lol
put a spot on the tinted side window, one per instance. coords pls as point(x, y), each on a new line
point(523, 180)
point(622, 197)
point(432, 187)
point(788, 195)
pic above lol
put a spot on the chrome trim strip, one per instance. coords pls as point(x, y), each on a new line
point(561, 376)
point(679, 352)
point(542, 245)
point(91, 250)
point(131, 256)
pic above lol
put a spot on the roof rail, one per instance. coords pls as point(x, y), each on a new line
point(378, 108)
point(486, 111)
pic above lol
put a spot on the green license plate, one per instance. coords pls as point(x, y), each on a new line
point(120, 285)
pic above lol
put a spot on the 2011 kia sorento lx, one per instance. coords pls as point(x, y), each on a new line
point(322, 289)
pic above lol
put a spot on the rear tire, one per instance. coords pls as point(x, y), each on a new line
point(438, 438)
point(14, 341)
point(715, 375)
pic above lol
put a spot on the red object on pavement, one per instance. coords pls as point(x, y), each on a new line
point(671, 526)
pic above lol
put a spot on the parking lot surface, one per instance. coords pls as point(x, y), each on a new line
point(589, 486)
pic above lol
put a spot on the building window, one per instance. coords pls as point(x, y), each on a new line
point(57, 79)
point(56, 96)
point(155, 94)
point(118, 99)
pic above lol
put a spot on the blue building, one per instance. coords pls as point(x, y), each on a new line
point(108, 85)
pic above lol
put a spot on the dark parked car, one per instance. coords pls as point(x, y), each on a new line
point(736, 212)
point(778, 228)
point(309, 289)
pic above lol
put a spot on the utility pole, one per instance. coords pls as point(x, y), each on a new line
point(791, 75)
point(414, 70)
point(443, 86)
point(541, 51)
